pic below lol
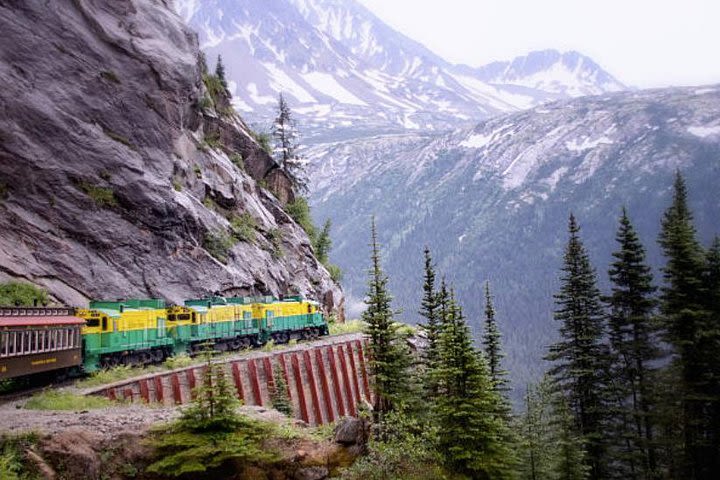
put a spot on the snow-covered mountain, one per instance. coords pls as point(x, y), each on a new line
point(346, 73)
point(492, 202)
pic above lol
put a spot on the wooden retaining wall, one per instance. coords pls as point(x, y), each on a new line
point(327, 379)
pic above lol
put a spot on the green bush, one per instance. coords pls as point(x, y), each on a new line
point(178, 361)
point(218, 244)
point(263, 140)
point(205, 103)
point(214, 87)
point(352, 326)
point(22, 294)
point(243, 227)
point(56, 400)
point(102, 196)
point(198, 171)
point(237, 159)
point(119, 138)
point(275, 237)
point(335, 272)
point(12, 453)
point(299, 210)
point(210, 433)
point(212, 140)
point(109, 375)
point(177, 185)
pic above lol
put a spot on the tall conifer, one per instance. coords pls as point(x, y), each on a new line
point(633, 338)
point(492, 341)
point(429, 308)
point(389, 358)
point(220, 72)
point(472, 436)
point(580, 358)
point(683, 302)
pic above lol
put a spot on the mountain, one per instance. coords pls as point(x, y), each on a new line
point(338, 63)
point(492, 202)
point(123, 175)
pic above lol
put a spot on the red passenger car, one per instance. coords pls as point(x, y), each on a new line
point(35, 340)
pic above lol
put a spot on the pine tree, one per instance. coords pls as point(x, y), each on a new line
point(493, 344)
point(472, 435)
point(323, 243)
point(682, 305)
point(202, 61)
point(429, 308)
point(285, 151)
point(279, 392)
point(220, 72)
point(570, 458)
point(712, 335)
point(389, 360)
point(633, 338)
point(580, 370)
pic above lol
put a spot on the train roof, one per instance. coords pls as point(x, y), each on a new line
point(130, 304)
point(37, 317)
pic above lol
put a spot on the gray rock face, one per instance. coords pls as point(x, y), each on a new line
point(109, 186)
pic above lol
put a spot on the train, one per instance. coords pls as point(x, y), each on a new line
point(60, 341)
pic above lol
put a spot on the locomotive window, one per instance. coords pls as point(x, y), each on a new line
point(247, 315)
point(92, 322)
point(104, 323)
point(3, 344)
point(171, 317)
point(309, 308)
point(183, 316)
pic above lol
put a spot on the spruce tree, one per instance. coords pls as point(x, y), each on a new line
point(389, 359)
point(580, 358)
point(429, 309)
point(220, 72)
point(683, 301)
point(493, 344)
point(472, 435)
point(633, 338)
point(323, 243)
point(285, 151)
point(279, 392)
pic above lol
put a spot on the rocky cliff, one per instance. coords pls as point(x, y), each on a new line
point(123, 175)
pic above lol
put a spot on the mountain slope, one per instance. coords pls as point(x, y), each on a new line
point(115, 182)
point(337, 62)
point(492, 202)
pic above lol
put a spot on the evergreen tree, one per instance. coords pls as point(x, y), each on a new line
point(389, 359)
point(285, 151)
point(493, 344)
point(429, 308)
point(712, 288)
point(633, 339)
point(570, 461)
point(220, 72)
point(682, 305)
point(580, 370)
point(323, 243)
point(202, 61)
point(472, 436)
point(279, 393)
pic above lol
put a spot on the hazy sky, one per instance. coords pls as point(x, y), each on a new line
point(645, 43)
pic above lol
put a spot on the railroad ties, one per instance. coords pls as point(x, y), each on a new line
point(326, 380)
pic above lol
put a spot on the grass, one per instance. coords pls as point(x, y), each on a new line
point(110, 375)
point(212, 140)
point(335, 272)
point(263, 139)
point(352, 326)
point(243, 227)
point(198, 171)
point(238, 161)
point(13, 465)
point(275, 237)
point(218, 244)
point(102, 196)
point(178, 361)
point(56, 400)
point(177, 185)
point(119, 138)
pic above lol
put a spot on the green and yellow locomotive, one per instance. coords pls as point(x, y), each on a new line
point(141, 332)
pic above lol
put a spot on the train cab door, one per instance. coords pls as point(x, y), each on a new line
point(161, 331)
point(269, 316)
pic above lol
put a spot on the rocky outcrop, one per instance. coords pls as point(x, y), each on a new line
point(117, 181)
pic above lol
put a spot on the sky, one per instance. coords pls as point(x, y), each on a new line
point(643, 43)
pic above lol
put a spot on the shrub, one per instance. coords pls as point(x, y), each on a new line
point(12, 448)
point(263, 139)
point(205, 103)
point(56, 400)
point(22, 294)
point(352, 326)
point(279, 393)
point(177, 185)
point(178, 361)
point(212, 140)
point(210, 433)
point(218, 244)
point(335, 272)
point(299, 210)
point(214, 87)
point(119, 138)
point(243, 227)
point(238, 161)
point(102, 196)
point(112, 375)
point(198, 171)
point(275, 237)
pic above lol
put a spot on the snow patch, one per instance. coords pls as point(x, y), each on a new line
point(281, 81)
point(480, 140)
point(326, 84)
point(704, 131)
point(256, 97)
point(587, 144)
